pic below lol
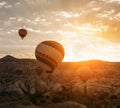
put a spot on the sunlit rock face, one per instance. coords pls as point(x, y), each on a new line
point(20, 76)
point(87, 82)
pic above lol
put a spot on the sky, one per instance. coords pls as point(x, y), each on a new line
point(87, 29)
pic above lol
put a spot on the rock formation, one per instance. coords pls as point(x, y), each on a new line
point(89, 84)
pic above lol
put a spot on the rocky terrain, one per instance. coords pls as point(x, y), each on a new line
point(88, 84)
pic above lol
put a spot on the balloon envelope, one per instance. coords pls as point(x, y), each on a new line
point(49, 54)
point(22, 33)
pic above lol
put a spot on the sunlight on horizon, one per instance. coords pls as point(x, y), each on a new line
point(87, 30)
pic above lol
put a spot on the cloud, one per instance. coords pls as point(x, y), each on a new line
point(117, 17)
point(92, 48)
point(4, 4)
point(77, 24)
point(111, 1)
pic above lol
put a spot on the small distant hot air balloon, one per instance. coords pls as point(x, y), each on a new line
point(22, 33)
point(49, 54)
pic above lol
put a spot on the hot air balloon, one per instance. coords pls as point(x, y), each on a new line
point(22, 33)
point(49, 54)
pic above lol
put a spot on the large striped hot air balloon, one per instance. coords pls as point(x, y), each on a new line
point(49, 54)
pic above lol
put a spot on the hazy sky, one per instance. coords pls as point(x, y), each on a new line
point(88, 29)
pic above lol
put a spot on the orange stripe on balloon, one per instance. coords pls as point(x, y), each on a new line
point(56, 46)
point(46, 56)
point(43, 60)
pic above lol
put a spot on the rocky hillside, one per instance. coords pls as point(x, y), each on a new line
point(85, 84)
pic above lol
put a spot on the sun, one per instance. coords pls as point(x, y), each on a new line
point(83, 43)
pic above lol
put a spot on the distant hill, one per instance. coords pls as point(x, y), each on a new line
point(93, 64)
point(8, 58)
point(95, 68)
